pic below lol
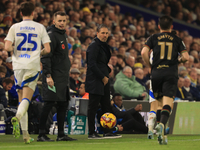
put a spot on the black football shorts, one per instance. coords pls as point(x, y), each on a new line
point(164, 85)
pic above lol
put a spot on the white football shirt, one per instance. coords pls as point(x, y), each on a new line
point(27, 37)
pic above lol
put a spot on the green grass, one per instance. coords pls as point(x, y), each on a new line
point(127, 142)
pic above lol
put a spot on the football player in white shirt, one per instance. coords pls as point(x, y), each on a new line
point(27, 37)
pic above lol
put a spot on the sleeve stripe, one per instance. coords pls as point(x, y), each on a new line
point(146, 46)
point(183, 51)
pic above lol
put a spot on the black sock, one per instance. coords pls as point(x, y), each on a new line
point(41, 133)
point(158, 114)
point(165, 114)
point(61, 134)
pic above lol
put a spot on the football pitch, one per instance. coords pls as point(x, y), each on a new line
point(127, 142)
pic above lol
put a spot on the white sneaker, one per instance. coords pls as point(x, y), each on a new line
point(150, 135)
point(160, 132)
point(165, 141)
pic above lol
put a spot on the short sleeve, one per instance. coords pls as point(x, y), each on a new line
point(45, 36)
point(149, 42)
point(11, 34)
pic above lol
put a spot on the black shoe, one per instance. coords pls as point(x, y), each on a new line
point(44, 138)
point(65, 138)
point(111, 135)
point(94, 136)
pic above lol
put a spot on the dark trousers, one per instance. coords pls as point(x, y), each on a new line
point(61, 107)
point(94, 101)
point(134, 122)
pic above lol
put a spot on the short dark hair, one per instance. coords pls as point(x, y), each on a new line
point(116, 94)
point(27, 8)
point(96, 4)
point(101, 26)
point(61, 13)
point(113, 55)
point(3, 69)
point(7, 80)
point(109, 38)
point(165, 22)
point(85, 28)
point(120, 56)
point(124, 44)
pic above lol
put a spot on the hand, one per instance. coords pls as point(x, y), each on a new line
point(144, 95)
point(138, 107)
point(50, 81)
point(120, 127)
point(43, 52)
point(180, 59)
point(111, 102)
point(105, 80)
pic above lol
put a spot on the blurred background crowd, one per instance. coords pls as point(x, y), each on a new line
point(126, 38)
point(185, 10)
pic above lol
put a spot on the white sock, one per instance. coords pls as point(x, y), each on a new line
point(22, 109)
point(151, 121)
point(24, 122)
point(24, 125)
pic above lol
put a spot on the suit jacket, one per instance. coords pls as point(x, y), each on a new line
point(97, 58)
point(187, 95)
point(195, 93)
point(3, 99)
point(120, 112)
point(74, 85)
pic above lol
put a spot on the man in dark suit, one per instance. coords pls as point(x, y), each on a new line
point(97, 85)
point(128, 120)
point(181, 93)
point(195, 93)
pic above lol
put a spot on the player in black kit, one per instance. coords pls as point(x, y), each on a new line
point(166, 48)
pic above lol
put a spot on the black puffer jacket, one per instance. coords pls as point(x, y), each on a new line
point(57, 64)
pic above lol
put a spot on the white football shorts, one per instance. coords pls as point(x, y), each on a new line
point(151, 96)
point(26, 77)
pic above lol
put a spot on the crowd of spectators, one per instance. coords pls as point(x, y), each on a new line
point(127, 37)
point(185, 10)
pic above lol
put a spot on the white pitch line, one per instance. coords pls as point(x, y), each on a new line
point(64, 144)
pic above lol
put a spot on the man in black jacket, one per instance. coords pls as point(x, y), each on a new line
point(56, 67)
point(97, 85)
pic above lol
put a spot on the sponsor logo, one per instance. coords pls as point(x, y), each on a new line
point(25, 56)
point(2, 128)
